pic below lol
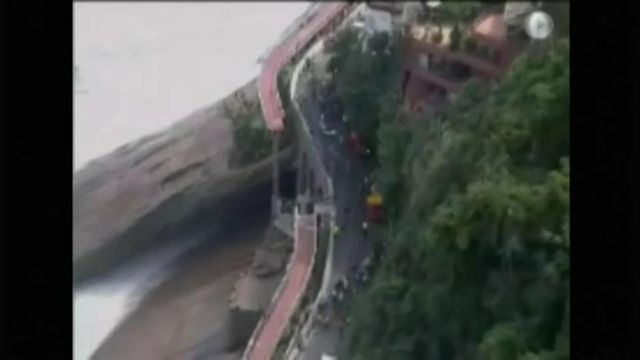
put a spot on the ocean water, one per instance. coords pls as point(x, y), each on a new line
point(99, 307)
point(138, 68)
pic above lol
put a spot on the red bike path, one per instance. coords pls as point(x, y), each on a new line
point(267, 336)
point(276, 322)
point(282, 54)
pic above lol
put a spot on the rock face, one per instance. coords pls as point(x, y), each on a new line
point(131, 198)
point(241, 327)
point(254, 290)
point(272, 256)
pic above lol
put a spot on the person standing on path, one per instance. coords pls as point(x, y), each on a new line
point(365, 228)
point(335, 230)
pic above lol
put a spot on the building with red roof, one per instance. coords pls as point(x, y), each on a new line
point(439, 58)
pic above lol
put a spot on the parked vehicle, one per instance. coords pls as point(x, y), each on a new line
point(374, 207)
point(357, 146)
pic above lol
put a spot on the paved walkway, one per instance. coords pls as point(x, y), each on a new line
point(277, 319)
point(271, 328)
point(281, 55)
point(348, 173)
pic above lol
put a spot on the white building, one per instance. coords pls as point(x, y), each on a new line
point(515, 12)
point(411, 12)
point(376, 21)
point(372, 21)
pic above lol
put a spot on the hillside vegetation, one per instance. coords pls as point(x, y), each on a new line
point(251, 139)
point(367, 82)
point(476, 255)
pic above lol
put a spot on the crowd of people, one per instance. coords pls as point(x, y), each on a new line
point(329, 308)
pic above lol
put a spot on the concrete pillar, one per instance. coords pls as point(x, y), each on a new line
point(311, 184)
point(275, 194)
point(302, 174)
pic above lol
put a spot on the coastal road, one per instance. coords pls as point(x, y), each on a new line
point(347, 171)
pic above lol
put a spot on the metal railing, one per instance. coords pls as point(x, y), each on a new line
point(302, 335)
point(305, 140)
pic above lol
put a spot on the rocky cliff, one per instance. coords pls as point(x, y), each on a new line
point(133, 197)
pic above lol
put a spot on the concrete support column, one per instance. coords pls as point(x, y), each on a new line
point(311, 185)
point(275, 194)
point(302, 174)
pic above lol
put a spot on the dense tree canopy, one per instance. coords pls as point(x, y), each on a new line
point(476, 264)
point(451, 11)
point(251, 139)
point(365, 79)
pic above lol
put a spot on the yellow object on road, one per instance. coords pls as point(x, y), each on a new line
point(374, 199)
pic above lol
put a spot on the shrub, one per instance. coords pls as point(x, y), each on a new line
point(251, 138)
point(470, 44)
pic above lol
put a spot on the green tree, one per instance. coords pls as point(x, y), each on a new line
point(251, 139)
point(393, 141)
point(477, 263)
point(364, 80)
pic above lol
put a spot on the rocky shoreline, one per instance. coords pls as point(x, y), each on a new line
point(134, 197)
point(191, 314)
point(165, 186)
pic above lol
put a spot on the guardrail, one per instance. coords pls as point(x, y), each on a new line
point(303, 334)
point(271, 103)
point(307, 144)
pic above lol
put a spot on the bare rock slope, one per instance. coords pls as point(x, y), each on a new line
point(131, 198)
